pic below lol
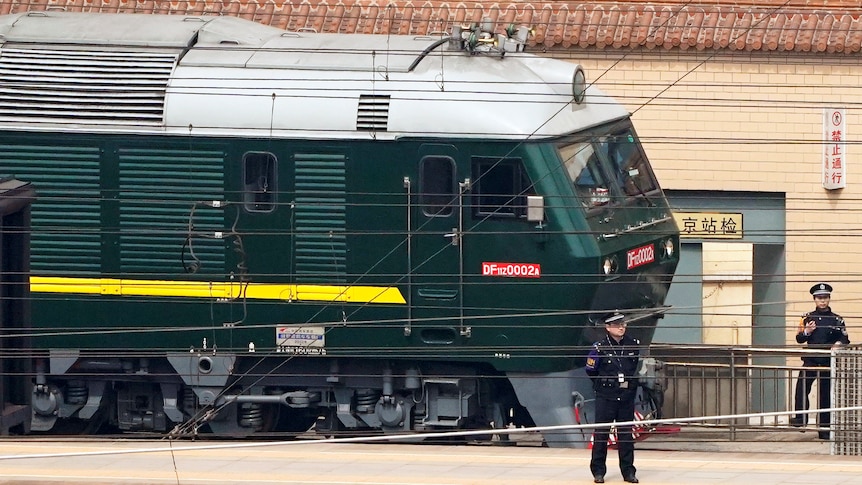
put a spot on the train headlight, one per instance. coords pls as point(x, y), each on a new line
point(579, 85)
point(610, 265)
point(668, 248)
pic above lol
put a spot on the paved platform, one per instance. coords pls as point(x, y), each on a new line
point(785, 441)
point(669, 460)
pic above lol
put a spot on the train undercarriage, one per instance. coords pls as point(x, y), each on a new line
point(232, 394)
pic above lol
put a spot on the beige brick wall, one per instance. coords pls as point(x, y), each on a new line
point(751, 123)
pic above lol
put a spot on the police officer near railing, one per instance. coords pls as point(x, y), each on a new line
point(820, 329)
point(612, 364)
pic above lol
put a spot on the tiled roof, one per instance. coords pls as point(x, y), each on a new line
point(773, 25)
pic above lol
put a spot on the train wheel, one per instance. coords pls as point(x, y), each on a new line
point(477, 423)
point(296, 420)
point(75, 426)
point(328, 425)
point(96, 424)
point(282, 419)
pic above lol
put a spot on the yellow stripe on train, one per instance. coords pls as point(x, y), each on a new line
point(212, 289)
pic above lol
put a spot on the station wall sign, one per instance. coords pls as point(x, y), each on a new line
point(709, 225)
point(834, 149)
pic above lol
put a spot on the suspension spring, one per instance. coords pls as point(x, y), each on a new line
point(76, 393)
point(251, 415)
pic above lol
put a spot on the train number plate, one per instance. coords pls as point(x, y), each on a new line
point(512, 270)
point(640, 256)
point(301, 340)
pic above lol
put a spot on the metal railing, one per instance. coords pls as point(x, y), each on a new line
point(847, 393)
point(723, 381)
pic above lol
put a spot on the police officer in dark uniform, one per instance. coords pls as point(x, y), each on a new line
point(820, 329)
point(612, 365)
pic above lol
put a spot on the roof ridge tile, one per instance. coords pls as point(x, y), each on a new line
point(835, 26)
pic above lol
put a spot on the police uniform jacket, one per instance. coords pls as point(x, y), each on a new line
point(607, 360)
point(830, 329)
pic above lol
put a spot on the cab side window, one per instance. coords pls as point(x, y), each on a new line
point(259, 181)
point(582, 166)
point(632, 170)
point(437, 192)
point(500, 187)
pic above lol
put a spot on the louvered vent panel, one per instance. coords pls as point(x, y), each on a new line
point(321, 219)
point(158, 188)
point(66, 237)
point(83, 86)
point(373, 114)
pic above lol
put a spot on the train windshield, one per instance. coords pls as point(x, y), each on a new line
point(607, 167)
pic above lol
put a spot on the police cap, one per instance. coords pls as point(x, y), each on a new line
point(821, 289)
point(613, 317)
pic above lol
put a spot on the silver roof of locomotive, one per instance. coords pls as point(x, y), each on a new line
point(226, 76)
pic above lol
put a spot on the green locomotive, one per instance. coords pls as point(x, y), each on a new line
point(252, 230)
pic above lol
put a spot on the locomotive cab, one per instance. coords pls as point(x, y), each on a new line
point(624, 209)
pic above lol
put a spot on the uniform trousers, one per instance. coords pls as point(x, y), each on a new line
point(609, 410)
point(824, 397)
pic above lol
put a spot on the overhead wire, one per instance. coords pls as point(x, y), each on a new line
point(458, 207)
point(648, 101)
